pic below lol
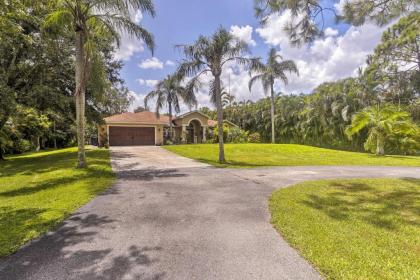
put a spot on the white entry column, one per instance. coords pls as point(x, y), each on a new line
point(204, 139)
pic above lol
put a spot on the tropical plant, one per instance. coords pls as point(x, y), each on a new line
point(382, 122)
point(254, 138)
point(227, 98)
point(237, 135)
point(211, 55)
point(169, 92)
point(90, 22)
point(267, 74)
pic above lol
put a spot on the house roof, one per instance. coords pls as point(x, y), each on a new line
point(150, 118)
point(189, 113)
point(145, 117)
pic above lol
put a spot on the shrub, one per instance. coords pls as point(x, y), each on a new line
point(254, 138)
point(237, 135)
point(21, 146)
point(216, 133)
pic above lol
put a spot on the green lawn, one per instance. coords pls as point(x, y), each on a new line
point(39, 190)
point(254, 155)
point(354, 228)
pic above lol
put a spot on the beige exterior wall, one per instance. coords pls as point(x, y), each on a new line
point(194, 116)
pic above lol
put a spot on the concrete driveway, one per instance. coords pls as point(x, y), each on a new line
point(170, 217)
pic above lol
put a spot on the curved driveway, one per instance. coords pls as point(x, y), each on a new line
point(169, 217)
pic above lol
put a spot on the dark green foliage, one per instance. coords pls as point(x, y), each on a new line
point(37, 74)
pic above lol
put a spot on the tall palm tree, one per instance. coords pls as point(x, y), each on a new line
point(88, 21)
point(382, 122)
point(211, 55)
point(169, 92)
point(267, 74)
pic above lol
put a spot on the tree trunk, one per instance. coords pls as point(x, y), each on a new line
point(55, 136)
point(380, 146)
point(1, 153)
point(219, 118)
point(37, 144)
point(273, 136)
point(170, 122)
point(80, 99)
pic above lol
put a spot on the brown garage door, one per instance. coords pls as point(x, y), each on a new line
point(130, 136)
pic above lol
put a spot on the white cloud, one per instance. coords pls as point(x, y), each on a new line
point(169, 63)
point(151, 63)
point(243, 33)
point(138, 17)
point(138, 100)
point(330, 32)
point(149, 83)
point(326, 59)
point(130, 45)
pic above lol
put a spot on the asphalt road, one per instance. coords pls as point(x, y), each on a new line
point(169, 217)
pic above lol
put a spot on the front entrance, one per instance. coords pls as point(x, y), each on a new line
point(131, 136)
point(194, 132)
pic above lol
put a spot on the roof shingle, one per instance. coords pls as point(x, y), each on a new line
point(145, 117)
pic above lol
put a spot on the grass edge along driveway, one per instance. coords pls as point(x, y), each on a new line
point(353, 228)
point(39, 190)
point(258, 155)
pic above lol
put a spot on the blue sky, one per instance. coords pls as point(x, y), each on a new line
point(335, 56)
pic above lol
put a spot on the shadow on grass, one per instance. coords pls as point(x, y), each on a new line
point(53, 183)
point(49, 163)
point(41, 163)
point(382, 209)
point(64, 254)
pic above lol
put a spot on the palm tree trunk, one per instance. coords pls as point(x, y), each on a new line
point(170, 121)
point(273, 136)
point(219, 118)
point(380, 146)
point(80, 99)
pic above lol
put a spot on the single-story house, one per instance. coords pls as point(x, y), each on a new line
point(146, 128)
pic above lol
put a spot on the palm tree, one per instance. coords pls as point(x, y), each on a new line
point(90, 21)
point(210, 55)
point(169, 92)
point(267, 74)
point(382, 122)
point(227, 98)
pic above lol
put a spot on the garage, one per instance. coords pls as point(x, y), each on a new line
point(131, 136)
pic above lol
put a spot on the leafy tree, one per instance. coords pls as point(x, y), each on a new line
point(211, 55)
point(267, 74)
point(382, 123)
point(168, 92)
point(395, 64)
point(32, 124)
point(381, 12)
point(308, 16)
point(89, 21)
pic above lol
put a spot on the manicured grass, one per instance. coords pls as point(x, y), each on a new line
point(354, 228)
point(39, 190)
point(254, 155)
